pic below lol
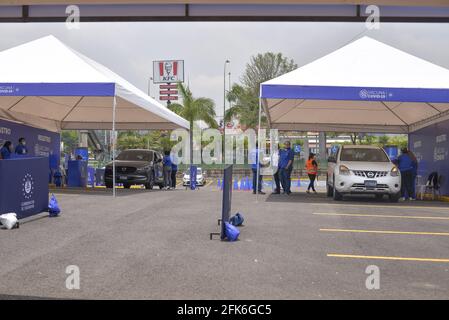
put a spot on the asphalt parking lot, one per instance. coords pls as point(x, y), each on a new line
point(155, 245)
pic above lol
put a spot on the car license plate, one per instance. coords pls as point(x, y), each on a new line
point(370, 183)
point(123, 178)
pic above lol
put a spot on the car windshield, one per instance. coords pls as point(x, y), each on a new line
point(135, 156)
point(363, 154)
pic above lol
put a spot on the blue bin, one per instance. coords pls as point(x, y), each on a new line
point(78, 176)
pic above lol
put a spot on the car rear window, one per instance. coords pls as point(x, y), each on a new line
point(136, 156)
point(361, 154)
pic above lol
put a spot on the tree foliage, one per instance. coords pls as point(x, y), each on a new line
point(193, 109)
point(70, 140)
point(244, 97)
point(264, 67)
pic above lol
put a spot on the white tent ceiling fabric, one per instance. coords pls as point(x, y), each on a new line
point(48, 61)
point(364, 63)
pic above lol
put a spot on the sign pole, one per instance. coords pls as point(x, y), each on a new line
point(114, 105)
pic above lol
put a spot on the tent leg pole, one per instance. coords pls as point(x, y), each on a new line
point(257, 151)
point(114, 104)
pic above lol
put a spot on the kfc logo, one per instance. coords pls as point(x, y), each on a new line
point(169, 71)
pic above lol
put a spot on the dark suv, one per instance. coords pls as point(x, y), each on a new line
point(137, 166)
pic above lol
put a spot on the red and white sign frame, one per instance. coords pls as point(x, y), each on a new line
point(168, 71)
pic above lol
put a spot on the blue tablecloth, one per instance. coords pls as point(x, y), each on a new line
point(24, 186)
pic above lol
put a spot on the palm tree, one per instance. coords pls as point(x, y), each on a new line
point(194, 109)
point(245, 107)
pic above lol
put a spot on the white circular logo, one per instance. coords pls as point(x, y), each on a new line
point(363, 94)
point(27, 186)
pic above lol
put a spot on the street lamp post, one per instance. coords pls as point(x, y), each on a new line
point(224, 109)
point(149, 86)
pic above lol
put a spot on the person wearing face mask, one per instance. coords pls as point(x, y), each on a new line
point(21, 148)
point(5, 151)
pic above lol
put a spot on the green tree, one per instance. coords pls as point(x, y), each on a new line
point(70, 140)
point(193, 109)
point(399, 140)
point(264, 67)
point(245, 107)
point(383, 140)
point(155, 140)
point(245, 97)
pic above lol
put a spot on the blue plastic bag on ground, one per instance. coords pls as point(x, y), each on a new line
point(231, 232)
point(53, 207)
point(237, 220)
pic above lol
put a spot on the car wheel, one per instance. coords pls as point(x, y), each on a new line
point(126, 186)
point(109, 185)
point(395, 197)
point(337, 195)
point(330, 190)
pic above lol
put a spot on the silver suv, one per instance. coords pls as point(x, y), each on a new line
point(362, 170)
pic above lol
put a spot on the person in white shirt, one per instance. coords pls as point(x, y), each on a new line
point(275, 167)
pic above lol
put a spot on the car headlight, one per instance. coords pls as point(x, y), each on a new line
point(344, 170)
point(394, 172)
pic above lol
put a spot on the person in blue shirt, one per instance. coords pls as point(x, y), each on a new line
point(6, 150)
point(255, 163)
point(174, 171)
point(167, 163)
point(286, 157)
point(21, 148)
point(406, 167)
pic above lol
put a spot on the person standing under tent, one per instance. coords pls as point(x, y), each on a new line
point(21, 148)
point(286, 158)
point(312, 172)
point(6, 150)
point(167, 163)
point(174, 171)
point(275, 166)
point(405, 165)
point(255, 165)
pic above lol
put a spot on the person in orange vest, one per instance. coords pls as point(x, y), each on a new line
point(312, 171)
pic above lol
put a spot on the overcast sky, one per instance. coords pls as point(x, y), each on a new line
point(129, 48)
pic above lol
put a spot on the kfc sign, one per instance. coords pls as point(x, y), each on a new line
point(170, 71)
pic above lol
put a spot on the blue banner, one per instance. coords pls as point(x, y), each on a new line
point(272, 91)
point(57, 89)
point(193, 172)
point(40, 143)
point(392, 151)
point(431, 148)
point(24, 186)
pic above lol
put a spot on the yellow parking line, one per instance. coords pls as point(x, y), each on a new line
point(382, 206)
point(350, 256)
point(380, 216)
point(387, 232)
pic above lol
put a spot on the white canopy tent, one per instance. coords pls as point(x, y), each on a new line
point(365, 86)
point(47, 84)
point(44, 83)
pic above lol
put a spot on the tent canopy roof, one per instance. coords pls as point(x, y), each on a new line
point(365, 86)
point(46, 84)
